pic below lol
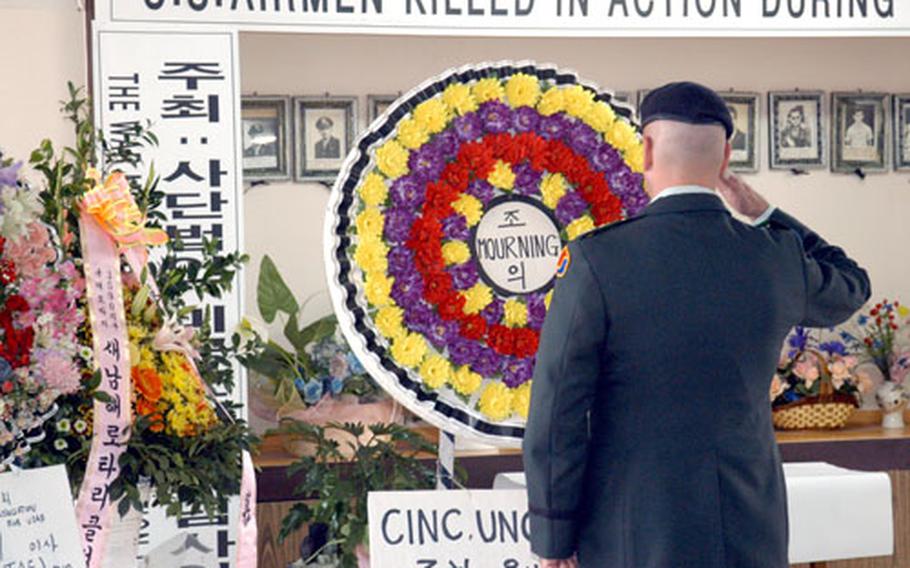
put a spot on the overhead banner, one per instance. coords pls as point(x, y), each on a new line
point(185, 87)
point(531, 17)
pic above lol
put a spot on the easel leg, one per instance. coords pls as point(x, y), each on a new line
point(445, 461)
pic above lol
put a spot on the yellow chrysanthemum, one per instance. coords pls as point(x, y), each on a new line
point(432, 114)
point(522, 90)
point(547, 299)
point(373, 191)
point(578, 100)
point(521, 400)
point(455, 252)
point(466, 381)
point(551, 102)
point(458, 97)
point(552, 188)
point(188, 413)
point(369, 223)
point(496, 401)
point(377, 288)
point(579, 226)
point(436, 371)
point(515, 313)
point(370, 255)
point(502, 176)
point(635, 157)
point(470, 207)
point(476, 298)
point(488, 89)
point(389, 322)
point(392, 159)
point(412, 134)
point(408, 350)
point(600, 117)
point(622, 135)
point(903, 311)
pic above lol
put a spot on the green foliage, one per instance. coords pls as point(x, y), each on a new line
point(338, 477)
point(272, 293)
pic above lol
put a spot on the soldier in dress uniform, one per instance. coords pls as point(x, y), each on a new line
point(650, 443)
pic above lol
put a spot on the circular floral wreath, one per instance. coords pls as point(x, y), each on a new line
point(411, 297)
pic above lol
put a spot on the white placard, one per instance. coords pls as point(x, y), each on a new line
point(186, 85)
point(449, 529)
point(37, 521)
point(530, 17)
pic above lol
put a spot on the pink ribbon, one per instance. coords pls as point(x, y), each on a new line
point(112, 420)
point(247, 533)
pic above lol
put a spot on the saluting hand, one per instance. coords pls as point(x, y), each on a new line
point(741, 197)
point(565, 563)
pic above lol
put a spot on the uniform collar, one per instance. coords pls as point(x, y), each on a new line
point(685, 198)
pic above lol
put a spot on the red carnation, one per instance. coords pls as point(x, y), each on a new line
point(526, 341)
point(437, 286)
point(7, 387)
point(501, 340)
point(457, 175)
point(7, 271)
point(440, 196)
point(451, 306)
point(607, 211)
point(473, 326)
point(16, 303)
point(478, 157)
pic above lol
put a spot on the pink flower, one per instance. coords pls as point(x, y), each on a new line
point(900, 368)
point(31, 252)
point(807, 370)
point(174, 337)
point(839, 371)
point(777, 386)
point(56, 371)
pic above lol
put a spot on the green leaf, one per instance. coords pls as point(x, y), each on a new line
point(272, 294)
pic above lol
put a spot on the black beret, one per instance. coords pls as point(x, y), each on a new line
point(686, 102)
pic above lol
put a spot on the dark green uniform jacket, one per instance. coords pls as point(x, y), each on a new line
point(650, 443)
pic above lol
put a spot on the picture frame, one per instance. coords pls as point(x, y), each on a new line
point(797, 130)
point(901, 129)
point(324, 130)
point(265, 137)
point(745, 109)
point(861, 126)
point(639, 97)
point(378, 104)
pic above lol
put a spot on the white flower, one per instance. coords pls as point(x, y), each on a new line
point(60, 444)
point(251, 330)
point(80, 426)
point(20, 208)
point(63, 425)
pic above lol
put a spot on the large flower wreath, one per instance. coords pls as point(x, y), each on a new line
point(446, 225)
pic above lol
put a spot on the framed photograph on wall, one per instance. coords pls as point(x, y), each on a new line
point(265, 128)
point(744, 108)
point(324, 130)
point(797, 123)
point(640, 96)
point(901, 132)
point(861, 128)
point(378, 104)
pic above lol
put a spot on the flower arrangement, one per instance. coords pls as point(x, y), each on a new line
point(816, 373)
point(40, 353)
point(319, 365)
point(181, 440)
point(411, 205)
point(881, 336)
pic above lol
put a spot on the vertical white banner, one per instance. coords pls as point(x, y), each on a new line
point(185, 84)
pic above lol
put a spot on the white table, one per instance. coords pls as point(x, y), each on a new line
point(835, 513)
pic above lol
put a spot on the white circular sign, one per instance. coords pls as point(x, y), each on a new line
point(517, 245)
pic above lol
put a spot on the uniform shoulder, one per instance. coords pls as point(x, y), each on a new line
point(608, 229)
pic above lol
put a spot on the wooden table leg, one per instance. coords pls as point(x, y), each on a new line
point(818, 565)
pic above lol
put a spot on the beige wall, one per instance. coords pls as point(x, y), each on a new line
point(42, 43)
point(870, 218)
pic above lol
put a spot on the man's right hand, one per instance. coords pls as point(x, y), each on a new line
point(741, 197)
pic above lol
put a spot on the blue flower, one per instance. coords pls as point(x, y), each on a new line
point(354, 365)
point(847, 336)
point(833, 348)
point(336, 385)
point(799, 339)
point(790, 396)
point(300, 384)
point(862, 320)
point(6, 370)
point(312, 391)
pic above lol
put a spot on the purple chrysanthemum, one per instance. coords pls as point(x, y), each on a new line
point(407, 288)
point(455, 228)
point(418, 316)
point(397, 224)
point(517, 372)
point(401, 261)
point(440, 332)
point(426, 164)
point(496, 116)
point(635, 202)
point(407, 192)
point(464, 275)
point(468, 127)
point(583, 139)
point(537, 310)
point(606, 159)
point(554, 127)
point(493, 312)
point(446, 144)
point(488, 363)
point(481, 189)
point(463, 351)
point(525, 119)
point(527, 180)
point(624, 181)
point(570, 207)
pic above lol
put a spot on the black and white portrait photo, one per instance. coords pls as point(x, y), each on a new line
point(860, 131)
point(743, 109)
point(797, 129)
point(378, 104)
point(325, 129)
point(901, 132)
point(264, 131)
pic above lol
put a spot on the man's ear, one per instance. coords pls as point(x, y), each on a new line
point(649, 152)
point(728, 149)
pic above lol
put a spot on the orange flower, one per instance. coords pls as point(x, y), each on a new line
point(144, 407)
point(147, 382)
